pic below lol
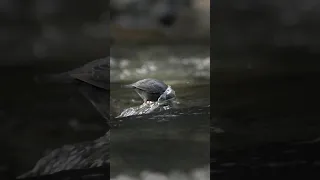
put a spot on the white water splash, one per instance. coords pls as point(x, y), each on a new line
point(165, 101)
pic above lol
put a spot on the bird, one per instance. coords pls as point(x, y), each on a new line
point(95, 73)
point(150, 90)
point(93, 80)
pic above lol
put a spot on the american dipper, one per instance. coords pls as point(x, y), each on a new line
point(93, 80)
point(95, 73)
point(150, 89)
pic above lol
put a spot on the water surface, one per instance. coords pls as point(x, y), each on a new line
point(41, 117)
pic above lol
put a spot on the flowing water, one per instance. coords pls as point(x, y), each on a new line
point(39, 117)
point(173, 145)
point(185, 68)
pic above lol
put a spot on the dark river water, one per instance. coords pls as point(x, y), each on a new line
point(176, 145)
point(261, 116)
point(38, 117)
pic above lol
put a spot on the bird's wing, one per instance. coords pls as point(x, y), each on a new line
point(96, 73)
point(98, 64)
point(150, 86)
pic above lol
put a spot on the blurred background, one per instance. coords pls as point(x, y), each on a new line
point(164, 39)
point(265, 65)
point(264, 76)
point(264, 71)
point(266, 33)
point(44, 29)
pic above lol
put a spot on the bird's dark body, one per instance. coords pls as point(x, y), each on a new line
point(148, 96)
point(93, 80)
point(96, 73)
point(149, 89)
